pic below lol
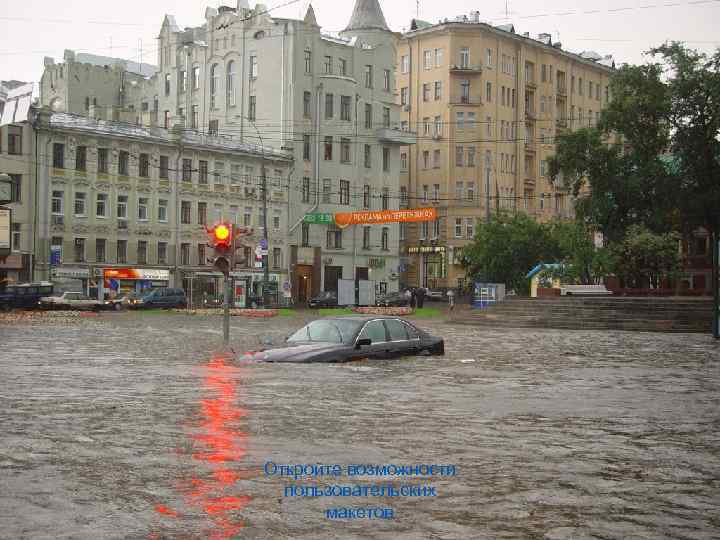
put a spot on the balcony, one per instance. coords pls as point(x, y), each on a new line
point(466, 70)
point(396, 136)
point(465, 100)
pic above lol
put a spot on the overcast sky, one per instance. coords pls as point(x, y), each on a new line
point(33, 29)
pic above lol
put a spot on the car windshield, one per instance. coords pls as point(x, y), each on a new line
point(328, 331)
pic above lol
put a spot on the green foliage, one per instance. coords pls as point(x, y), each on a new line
point(507, 248)
point(644, 255)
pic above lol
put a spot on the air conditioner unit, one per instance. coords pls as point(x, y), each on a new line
point(406, 108)
point(122, 224)
point(58, 220)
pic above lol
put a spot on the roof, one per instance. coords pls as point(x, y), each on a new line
point(367, 15)
point(162, 136)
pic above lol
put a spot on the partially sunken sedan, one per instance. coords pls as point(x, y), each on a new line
point(344, 339)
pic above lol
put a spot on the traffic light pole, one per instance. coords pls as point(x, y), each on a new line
point(228, 288)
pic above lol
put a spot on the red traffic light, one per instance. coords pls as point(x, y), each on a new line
point(222, 232)
point(221, 236)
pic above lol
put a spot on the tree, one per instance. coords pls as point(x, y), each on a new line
point(507, 247)
point(581, 261)
point(644, 256)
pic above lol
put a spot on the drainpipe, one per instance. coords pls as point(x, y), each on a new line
point(177, 211)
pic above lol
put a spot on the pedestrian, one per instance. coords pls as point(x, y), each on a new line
point(451, 299)
point(408, 296)
point(413, 298)
point(420, 297)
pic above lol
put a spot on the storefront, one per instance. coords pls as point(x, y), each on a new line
point(119, 281)
point(431, 262)
point(71, 279)
point(15, 268)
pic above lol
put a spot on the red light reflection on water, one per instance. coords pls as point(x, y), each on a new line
point(217, 448)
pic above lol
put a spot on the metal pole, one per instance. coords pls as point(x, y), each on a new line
point(266, 258)
point(716, 284)
point(226, 311)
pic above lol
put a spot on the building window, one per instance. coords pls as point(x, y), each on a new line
point(424, 230)
point(405, 64)
point(470, 228)
point(143, 209)
point(385, 243)
point(185, 254)
point(343, 66)
point(161, 253)
point(438, 90)
point(458, 227)
point(366, 237)
point(162, 211)
point(123, 163)
point(277, 258)
point(345, 192)
point(334, 238)
point(426, 91)
point(436, 192)
point(196, 78)
point(100, 255)
point(345, 150)
point(202, 256)
point(403, 195)
point(14, 140)
point(368, 156)
point(57, 203)
point(306, 147)
point(471, 191)
point(185, 211)
point(79, 250)
point(471, 157)
point(368, 76)
point(386, 117)
point(425, 193)
point(80, 207)
point(305, 235)
point(403, 161)
point(144, 166)
point(58, 155)
point(187, 170)
point(142, 252)
point(386, 159)
point(203, 172)
point(328, 148)
point(121, 251)
point(488, 92)
point(327, 65)
point(366, 196)
point(306, 189)
point(308, 61)
point(16, 237)
point(182, 81)
point(164, 167)
point(459, 156)
point(214, 85)
point(101, 205)
point(252, 108)
point(403, 231)
point(329, 106)
point(253, 73)
point(307, 104)
point(385, 199)
point(81, 158)
point(122, 204)
point(368, 116)
point(327, 190)
point(345, 108)
point(213, 127)
point(386, 80)
point(202, 213)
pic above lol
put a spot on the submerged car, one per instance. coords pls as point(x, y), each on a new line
point(398, 299)
point(343, 339)
point(327, 299)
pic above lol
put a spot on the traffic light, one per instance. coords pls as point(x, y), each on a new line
point(221, 240)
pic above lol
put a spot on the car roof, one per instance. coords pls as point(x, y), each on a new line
point(362, 318)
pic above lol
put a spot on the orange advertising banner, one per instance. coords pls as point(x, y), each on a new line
point(385, 216)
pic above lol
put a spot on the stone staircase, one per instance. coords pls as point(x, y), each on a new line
point(682, 315)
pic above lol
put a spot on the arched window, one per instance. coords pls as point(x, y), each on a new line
point(231, 84)
point(214, 84)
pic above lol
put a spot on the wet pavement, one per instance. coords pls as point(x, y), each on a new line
point(129, 426)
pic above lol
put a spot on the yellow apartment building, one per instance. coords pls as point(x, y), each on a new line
point(486, 104)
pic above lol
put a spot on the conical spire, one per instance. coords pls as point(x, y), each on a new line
point(367, 15)
point(310, 18)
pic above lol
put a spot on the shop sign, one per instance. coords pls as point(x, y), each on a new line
point(415, 215)
point(72, 273)
point(319, 219)
point(426, 249)
point(5, 238)
point(137, 274)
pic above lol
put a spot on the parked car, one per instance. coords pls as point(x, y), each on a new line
point(343, 339)
point(327, 299)
point(161, 298)
point(71, 300)
point(435, 296)
point(398, 299)
point(124, 301)
point(24, 296)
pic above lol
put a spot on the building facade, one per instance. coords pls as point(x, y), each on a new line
point(328, 101)
point(487, 104)
point(133, 203)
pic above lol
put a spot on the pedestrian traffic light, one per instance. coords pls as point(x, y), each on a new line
point(221, 240)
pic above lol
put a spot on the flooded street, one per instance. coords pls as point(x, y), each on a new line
point(132, 426)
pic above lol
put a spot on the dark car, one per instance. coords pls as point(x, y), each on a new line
point(24, 296)
point(344, 339)
point(161, 298)
point(327, 299)
point(398, 299)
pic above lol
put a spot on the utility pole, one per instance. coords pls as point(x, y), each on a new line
point(266, 257)
point(716, 284)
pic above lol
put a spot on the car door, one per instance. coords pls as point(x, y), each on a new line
point(399, 339)
point(377, 333)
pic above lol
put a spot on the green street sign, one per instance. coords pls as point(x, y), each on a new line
point(319, 219)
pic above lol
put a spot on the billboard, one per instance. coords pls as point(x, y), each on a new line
point(416, 215)
point(136, 273)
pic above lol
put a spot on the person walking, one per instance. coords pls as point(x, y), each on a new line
point(420, 293)
point(451, 299)
point(413, 298)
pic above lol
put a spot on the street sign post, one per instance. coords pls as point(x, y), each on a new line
point(319, 219)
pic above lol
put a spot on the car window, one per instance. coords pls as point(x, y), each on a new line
point(374, 331)
point(412, 331)
point(397, 330)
